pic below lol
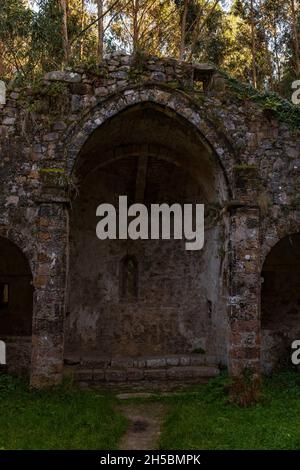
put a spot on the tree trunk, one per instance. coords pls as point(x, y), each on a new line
point(253, 46)
point(135, 35)
point(270, 65)
point(81, 28)
point(296, 37)
point(277, 59)
point(100, 29)
point(64, 30)
point(199, 27)
point(183, 30)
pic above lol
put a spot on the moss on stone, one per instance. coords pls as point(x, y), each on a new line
point(281, 108)
point(244, 166)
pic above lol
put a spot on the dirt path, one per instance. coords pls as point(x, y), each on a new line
point(144, 429)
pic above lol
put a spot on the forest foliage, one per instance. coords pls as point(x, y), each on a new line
point(255, 41)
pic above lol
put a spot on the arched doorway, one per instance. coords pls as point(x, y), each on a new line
point(16, 298)
point(146, 298)
point(280, 302)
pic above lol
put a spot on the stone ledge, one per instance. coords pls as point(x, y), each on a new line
point(144, 362)
point(131, 374)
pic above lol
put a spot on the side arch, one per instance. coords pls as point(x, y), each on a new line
point(280, 301)
point(16, 305)
point(28, 251)
point(272, 237)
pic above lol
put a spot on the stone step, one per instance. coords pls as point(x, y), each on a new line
point(149, 362)
point(135, 374)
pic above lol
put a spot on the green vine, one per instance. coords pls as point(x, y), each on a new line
point(284, 110)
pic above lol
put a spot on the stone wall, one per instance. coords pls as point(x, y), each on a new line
point(43, 130)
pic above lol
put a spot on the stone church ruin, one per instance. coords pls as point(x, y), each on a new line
point(155, 130)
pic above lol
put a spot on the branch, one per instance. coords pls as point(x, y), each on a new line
point(196, 20)
point(114, 16)
point(95, 21)
point(146, 10)
point(201, 27)
point(154, 26)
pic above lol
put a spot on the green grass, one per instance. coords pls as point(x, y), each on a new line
point(61, 418)
point(65, 417)
point(204, 419)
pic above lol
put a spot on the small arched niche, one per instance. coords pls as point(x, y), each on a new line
point(129, 278)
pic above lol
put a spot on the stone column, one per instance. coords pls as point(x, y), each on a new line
point(245, 284)
point(49, 294)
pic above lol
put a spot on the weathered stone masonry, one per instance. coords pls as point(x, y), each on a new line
point(160, 130)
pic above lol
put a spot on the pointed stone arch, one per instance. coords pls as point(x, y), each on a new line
point(173, 102)
point(96, 144)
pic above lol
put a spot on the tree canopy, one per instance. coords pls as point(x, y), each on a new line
point(256, 41)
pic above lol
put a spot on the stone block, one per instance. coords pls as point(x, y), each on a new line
point(95, 362)
point(8, 121)
point(122, 363)
point(191, 372)
point(98, 375)
point(197, 359)
point(63, 76)
point(185, 360)
point(139, 363)
point(84, 375)
point(172, 361)
point(134, 374)
point(101, 91)
point(155, 374)
point(113, 375)
point(155, 362)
